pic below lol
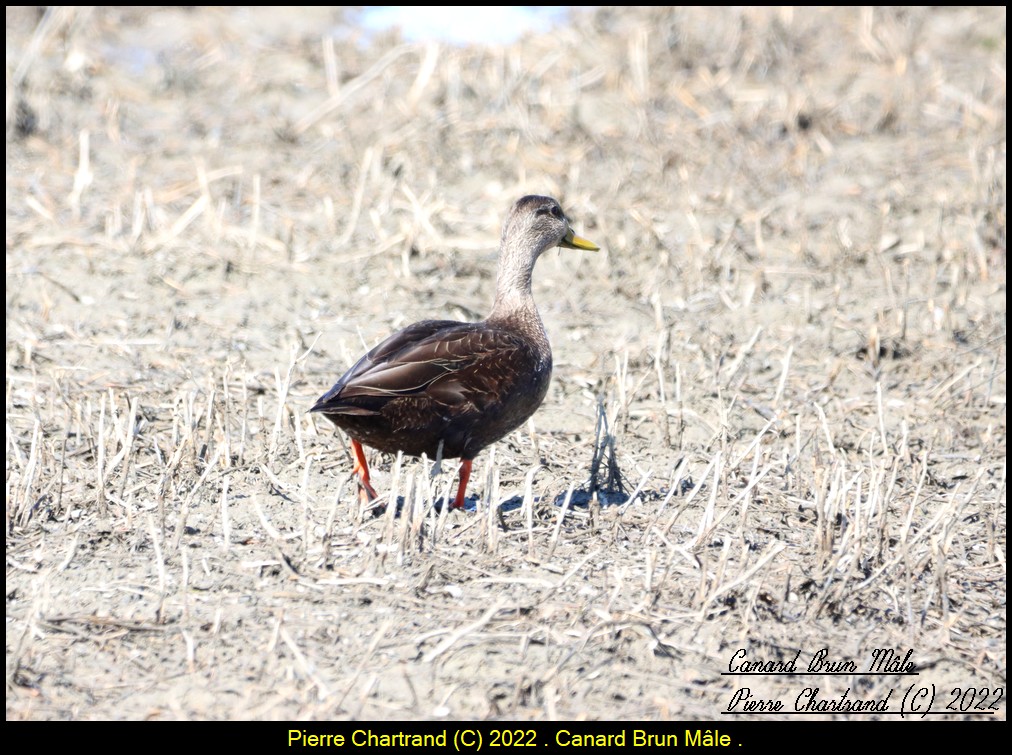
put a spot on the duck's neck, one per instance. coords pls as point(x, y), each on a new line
point(514, 305)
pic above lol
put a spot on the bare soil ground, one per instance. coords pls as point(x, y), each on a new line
point(791, 346)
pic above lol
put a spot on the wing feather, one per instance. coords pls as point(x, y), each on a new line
point(444, 361)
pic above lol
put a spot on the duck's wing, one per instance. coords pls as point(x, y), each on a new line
point(449, 363)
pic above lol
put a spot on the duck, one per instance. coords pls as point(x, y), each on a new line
point(446, 389)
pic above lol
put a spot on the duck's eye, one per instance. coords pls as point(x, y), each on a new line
point(557, 212)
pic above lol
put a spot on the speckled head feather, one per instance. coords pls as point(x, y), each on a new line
point(533, 225)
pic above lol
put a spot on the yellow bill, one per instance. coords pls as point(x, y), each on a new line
point(572, 241)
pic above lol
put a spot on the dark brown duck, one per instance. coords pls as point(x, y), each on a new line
point(449, 389)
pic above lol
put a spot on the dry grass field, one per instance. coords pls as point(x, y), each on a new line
point(777, 419)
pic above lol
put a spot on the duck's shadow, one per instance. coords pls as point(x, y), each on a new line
point(580, 499)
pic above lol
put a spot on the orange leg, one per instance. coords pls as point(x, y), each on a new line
point(362, 469)
point(465, 475)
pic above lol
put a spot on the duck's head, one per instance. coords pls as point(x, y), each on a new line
point(535, 224)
